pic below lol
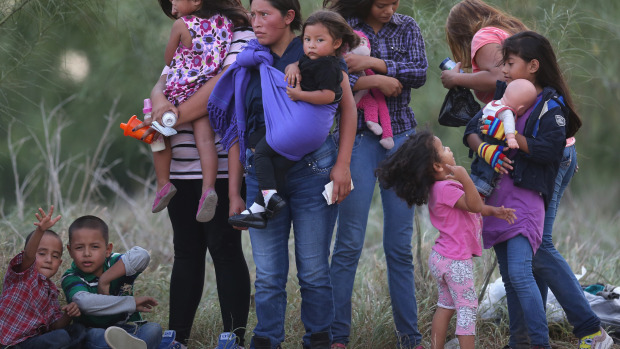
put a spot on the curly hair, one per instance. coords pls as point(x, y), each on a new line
point(409, 171)
point(337, 27)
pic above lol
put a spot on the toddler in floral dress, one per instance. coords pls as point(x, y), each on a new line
point(199, 42)
point(423, 171)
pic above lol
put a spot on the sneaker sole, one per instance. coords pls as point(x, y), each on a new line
point(165, 200)
point(117, 338)
point(207, 210)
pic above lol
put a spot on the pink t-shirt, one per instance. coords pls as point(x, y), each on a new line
point(485, 36)
point(459, 230)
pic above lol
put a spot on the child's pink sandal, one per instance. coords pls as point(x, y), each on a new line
point(162, 198)
point(206, 206)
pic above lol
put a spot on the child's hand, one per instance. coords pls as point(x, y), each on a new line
point(458, 173)
point(103, 287)
point(145, 304)
point(45, 220)
point(292, 74)
point(511, 141)
point(294, 92)
point(71, 310)
point(507, 214)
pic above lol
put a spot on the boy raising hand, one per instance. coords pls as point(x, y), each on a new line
point(30, 314)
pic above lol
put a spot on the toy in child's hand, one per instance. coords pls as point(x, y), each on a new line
point(493, 127)
point(492, 154)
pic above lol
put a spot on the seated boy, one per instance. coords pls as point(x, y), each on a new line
point(101, 283)
point(30, 314)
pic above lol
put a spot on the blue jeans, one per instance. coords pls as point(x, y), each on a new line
point(522, 294)
point(313, 223)
point(551, 269)
point(397, 234)
point(68, 337)
point(149, 332)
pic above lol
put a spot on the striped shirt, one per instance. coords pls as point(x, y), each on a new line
point(401, 46)
point(185, 159)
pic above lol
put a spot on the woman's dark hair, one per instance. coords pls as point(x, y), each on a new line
point(350, 8)
point(530, 45)
point(409, 171)
point(231, 9)
point(283, 6)
point(336, 25)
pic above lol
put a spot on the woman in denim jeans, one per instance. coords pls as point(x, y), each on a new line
point(398, 58)
point(313, 220)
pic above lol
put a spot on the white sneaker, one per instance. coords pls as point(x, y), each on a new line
point(598, 340)
point(118, 338)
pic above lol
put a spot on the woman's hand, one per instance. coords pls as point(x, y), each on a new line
point(389, 86)
point(236, 205)
point(357, 63)
point(448, 77)
point(341, 175)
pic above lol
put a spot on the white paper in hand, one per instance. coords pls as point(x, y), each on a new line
point(164, 130)
point(329, 189)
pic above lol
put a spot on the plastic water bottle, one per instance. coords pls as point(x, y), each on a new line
point(158, 144)
point(169, 119)
point(448, 64)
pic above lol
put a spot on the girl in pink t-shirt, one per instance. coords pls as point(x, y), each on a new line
point(423, 171)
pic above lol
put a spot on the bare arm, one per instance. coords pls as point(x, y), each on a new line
point(45, 221)
point(389, 86)
point(314, 97)
point(470, 201)
point(178, 29)
point(488, 59)
point(235, 179)
point(341, 172)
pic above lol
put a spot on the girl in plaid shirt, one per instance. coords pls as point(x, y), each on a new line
point(398, 58)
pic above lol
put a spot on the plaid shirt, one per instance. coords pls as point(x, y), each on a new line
point(401, 46)
point(29, 304)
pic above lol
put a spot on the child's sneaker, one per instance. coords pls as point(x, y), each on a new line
point(338, 346)
point(598, 340)
point(227, 340)
point(206, 206)
point(162, 198)
point(118, 338)
point(168, 342)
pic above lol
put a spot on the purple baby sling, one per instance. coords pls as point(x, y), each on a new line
point(294, 129)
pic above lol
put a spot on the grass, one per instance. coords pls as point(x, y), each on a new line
point(585, 233)
point(132, 224)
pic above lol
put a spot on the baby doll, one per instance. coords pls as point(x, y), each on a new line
point(372, 101)
point(519, 96)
